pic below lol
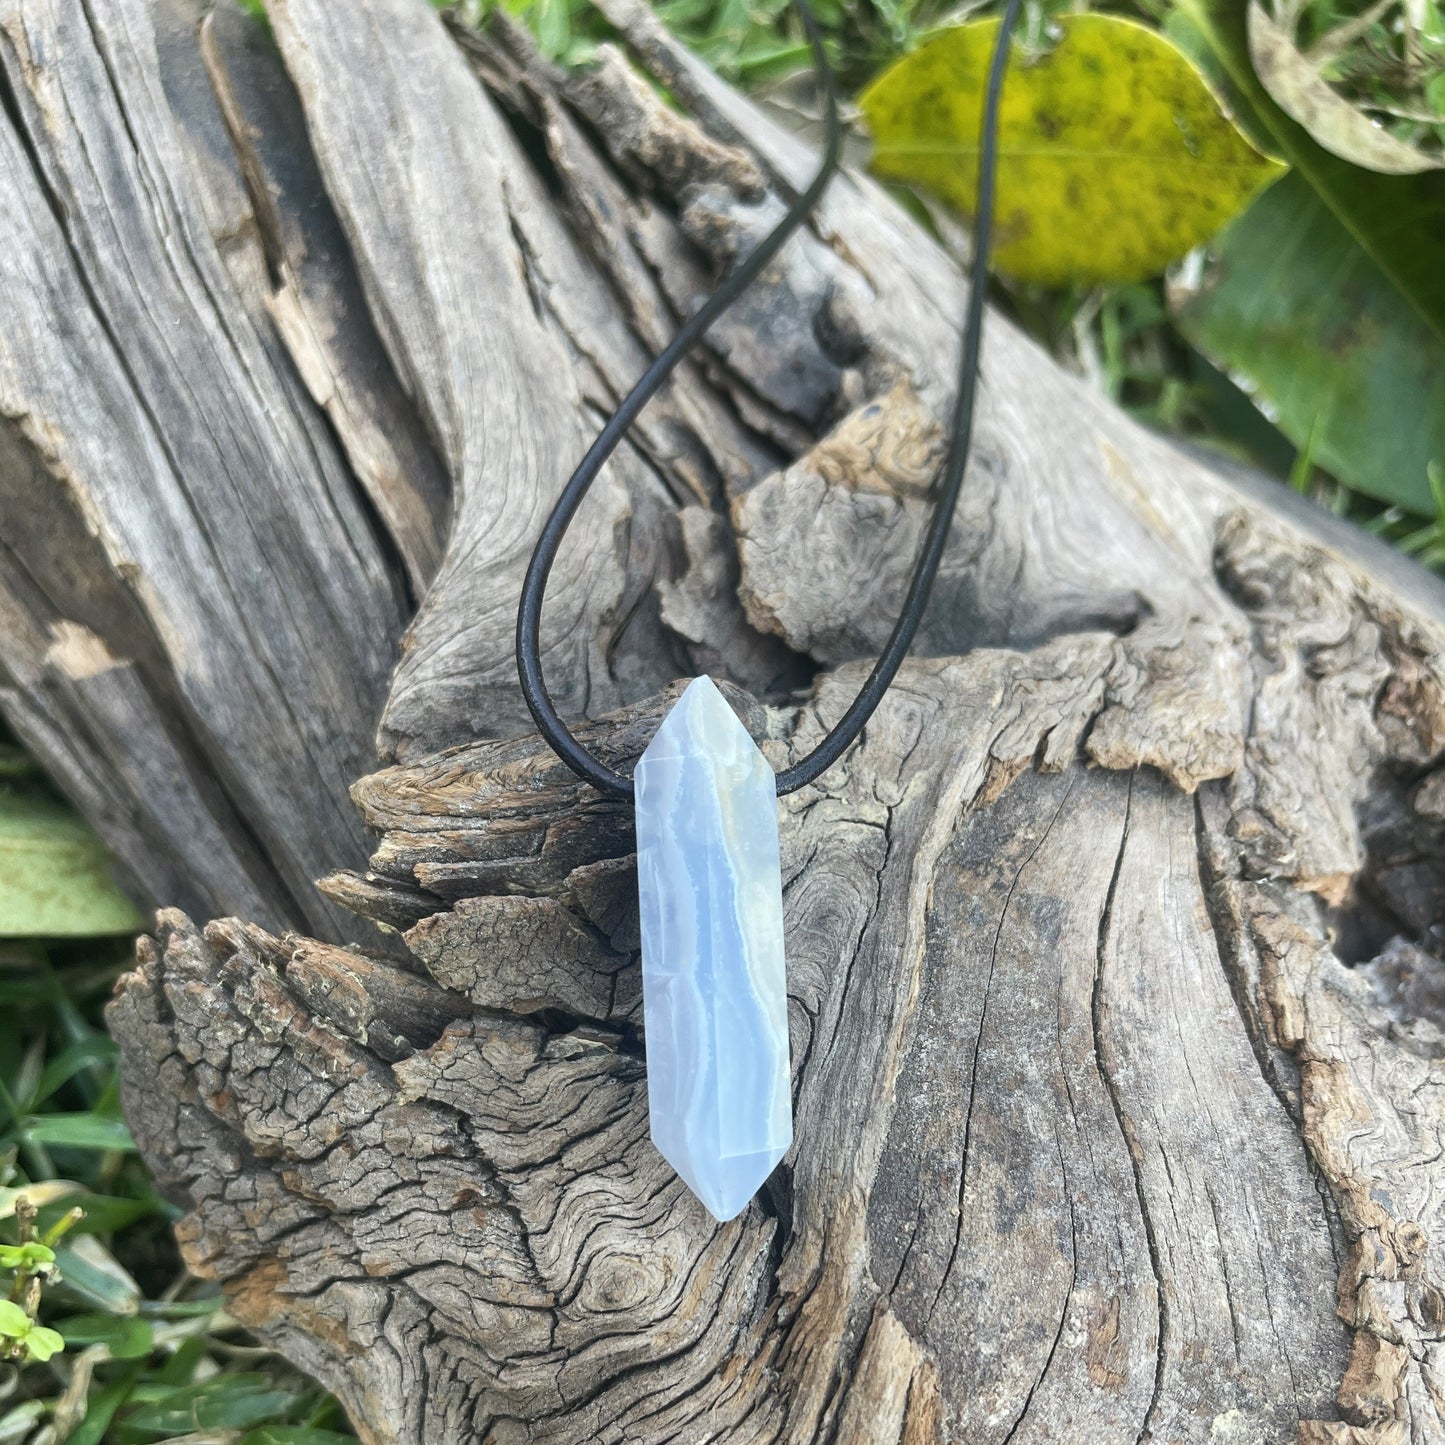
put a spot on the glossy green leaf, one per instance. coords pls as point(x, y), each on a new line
point(1352, 372)
point(1115, 158)
point(55, 875)
point(1396, 220)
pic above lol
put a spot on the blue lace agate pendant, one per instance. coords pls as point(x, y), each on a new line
point(713, 985)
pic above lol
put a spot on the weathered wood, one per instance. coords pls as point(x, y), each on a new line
point(315, 298)
point(200, 620)
point(1114, 990)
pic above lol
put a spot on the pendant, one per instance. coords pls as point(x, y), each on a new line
point(713, 984)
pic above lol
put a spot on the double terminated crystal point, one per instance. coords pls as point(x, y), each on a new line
point(714, 991)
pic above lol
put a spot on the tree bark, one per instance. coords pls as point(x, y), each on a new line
point(1118, 1026)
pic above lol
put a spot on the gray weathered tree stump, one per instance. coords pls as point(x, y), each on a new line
point(1118, 1025)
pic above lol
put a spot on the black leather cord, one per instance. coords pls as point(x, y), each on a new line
point(845, 732)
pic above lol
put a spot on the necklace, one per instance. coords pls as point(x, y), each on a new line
point(705, 798)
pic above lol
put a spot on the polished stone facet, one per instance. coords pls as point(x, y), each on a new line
point(714, 991)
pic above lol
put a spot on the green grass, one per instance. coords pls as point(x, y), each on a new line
point(150, 1355)
point(103, 1334)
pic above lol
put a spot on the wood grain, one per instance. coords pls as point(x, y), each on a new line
point(1115, 987)
point(227, 568)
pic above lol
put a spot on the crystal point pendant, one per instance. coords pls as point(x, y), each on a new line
point(714, 990)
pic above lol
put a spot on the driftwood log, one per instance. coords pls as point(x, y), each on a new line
point(1117, 1005)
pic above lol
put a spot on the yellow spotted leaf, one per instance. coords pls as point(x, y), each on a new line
point(1115, 158)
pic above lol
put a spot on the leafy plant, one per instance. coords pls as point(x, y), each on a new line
point(105, 1339)
point(1114, 157)
point(112, 1341)
point(29, 1263)
point(1353, 374)
point(1331, 300)
point(1396, 220)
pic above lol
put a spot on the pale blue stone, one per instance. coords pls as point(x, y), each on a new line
point(713, 984)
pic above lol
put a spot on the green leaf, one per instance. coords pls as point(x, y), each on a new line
point(55, 875)
point(1396, 220)
point(83, 1054)
point(1349, 368)
point(30, 1256)
point(104, 1213)
point(42, 1343)
point(553, 27)
point(89, 1270)
point(15, 1324)
point(233, 1402)
point(1115, 158)
point(78, 1131)
point(1435, 94)
point(180, 1369)
point(125, 1338)
point(101, 1410)
point(186, 1309)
